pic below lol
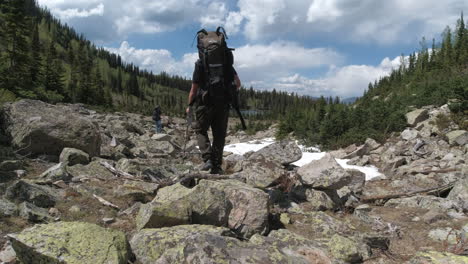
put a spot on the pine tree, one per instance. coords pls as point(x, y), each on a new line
point(460, 40)
point(53, 71)
point(15, 31)
point(36, 60)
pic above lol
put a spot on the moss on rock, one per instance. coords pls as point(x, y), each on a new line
point(70, 242)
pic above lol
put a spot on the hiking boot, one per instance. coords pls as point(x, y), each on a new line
point(207, 166)
point(216, 170)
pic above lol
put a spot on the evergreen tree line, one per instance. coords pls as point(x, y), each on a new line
point(433, 76)
point(41, 58)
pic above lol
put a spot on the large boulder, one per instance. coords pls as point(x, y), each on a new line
point(325, 173)
point(70, 242)
point(208, 244)
point(220, 203)
point(39, 128)
point(284, 152)
point(416, 116)
point(261, 172)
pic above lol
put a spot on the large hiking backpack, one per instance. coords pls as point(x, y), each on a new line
point(217, 60)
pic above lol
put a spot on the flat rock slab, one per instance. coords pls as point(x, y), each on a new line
point(70, 242)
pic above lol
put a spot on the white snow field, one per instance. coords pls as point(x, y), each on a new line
point(307, 156)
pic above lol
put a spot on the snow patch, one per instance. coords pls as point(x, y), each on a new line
point(308, 155)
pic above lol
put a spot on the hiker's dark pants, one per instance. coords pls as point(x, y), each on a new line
point(216, 117)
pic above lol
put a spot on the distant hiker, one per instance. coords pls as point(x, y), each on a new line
point(213, 84)
point(157, 118)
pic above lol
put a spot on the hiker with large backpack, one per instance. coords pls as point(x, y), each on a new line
point(214, 85)
point(157, 119)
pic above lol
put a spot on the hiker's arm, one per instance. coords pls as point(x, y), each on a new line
point(192, 94)
point(238, 82)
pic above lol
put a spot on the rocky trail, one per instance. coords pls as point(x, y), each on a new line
point(78, 186)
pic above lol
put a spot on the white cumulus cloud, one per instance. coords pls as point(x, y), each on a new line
point(156, 60)
point(346, 81)
point(81, 13)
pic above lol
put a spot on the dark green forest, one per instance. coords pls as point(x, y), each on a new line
point(41, 58)
point(431, 76)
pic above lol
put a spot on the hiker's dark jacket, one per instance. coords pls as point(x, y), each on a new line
point(157, 114)
point(199, 77)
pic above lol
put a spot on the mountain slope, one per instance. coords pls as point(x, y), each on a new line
point(430, 77)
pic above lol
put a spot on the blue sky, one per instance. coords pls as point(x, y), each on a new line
point(311, 47)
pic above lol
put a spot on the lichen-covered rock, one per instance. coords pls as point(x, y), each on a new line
point(347, 250)
point(7, 208)
point(33, 213)
point(71, 156)
point(38, 128)
point(318, 200)
point(424, 202)
point(172, 193)
point(70, 242)
point(320, 225)
point(261, 172)
point(207, 244)
point(220, 203)
point(155, 215)
point(434, 257)
point(91, 171)
point(325, 173)
point(23, 191)
point(136, 190)
point(295, 246)
point(56, 173)
point(249, 206)
point(233, 163)
point(284, 152)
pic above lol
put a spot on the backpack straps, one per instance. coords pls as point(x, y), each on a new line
point(218, 31)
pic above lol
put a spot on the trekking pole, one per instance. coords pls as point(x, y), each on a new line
point(187, 136)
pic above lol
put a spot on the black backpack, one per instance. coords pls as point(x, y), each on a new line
point(217, 60)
